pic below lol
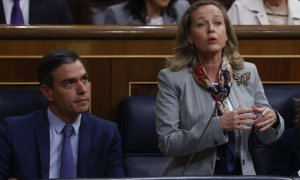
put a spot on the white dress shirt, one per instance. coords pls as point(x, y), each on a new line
point(8, 5)
point(56, 126)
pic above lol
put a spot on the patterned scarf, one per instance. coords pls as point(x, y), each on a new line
point(218, 91)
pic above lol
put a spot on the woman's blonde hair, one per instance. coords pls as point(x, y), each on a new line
point(186, 55)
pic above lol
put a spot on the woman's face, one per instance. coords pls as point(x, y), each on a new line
point(160, 3)
point(208, 30)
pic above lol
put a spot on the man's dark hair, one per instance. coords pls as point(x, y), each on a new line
point(51, 61)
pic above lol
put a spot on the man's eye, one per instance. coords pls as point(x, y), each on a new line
point(68, 84)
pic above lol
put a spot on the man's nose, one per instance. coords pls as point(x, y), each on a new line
point(82, 87)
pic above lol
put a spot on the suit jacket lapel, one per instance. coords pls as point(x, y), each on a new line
point(43, 143)
point(2, 15)
point(36, 8)
point(83, 147)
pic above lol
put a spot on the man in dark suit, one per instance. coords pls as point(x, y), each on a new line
point(285, 154)
point(39, 12)
point(33, 145)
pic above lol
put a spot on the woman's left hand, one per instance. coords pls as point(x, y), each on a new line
point(266, 118)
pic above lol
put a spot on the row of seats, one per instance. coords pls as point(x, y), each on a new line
point(136, 119)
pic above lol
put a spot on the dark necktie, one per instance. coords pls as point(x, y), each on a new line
point(67, 161)
point(16, 14)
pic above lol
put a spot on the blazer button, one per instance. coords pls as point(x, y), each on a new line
point(216, 143)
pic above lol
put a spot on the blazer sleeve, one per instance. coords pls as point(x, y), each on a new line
point(115, 166)
point(174, 140)
point(271, 135)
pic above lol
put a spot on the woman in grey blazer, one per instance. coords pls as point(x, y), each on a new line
point(142, 12)
point(209, 99)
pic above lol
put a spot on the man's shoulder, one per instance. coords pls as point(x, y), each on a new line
point(23, 124)
point(26, 118)
point(97, 121)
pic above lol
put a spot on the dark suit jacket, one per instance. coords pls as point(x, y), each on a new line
point(45, 12)
point(285, 156)
point(25, 147)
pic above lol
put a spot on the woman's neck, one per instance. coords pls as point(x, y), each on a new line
point(212, 67)
point(276, 5)
point(152, 10)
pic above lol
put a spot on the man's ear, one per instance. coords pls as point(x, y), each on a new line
point(47, 92)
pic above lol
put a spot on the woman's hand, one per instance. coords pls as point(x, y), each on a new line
point(240, 118)
point(266, 120)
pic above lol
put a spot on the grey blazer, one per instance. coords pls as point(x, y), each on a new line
point(183, 109)
point(116, 14)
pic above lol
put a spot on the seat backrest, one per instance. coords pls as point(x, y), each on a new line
point(136, 118)
point(19, 101)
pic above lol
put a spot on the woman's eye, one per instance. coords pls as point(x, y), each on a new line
point(201, 25)
point(219, 23)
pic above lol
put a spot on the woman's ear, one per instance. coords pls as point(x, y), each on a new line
point(47, 92)
point(189, 37)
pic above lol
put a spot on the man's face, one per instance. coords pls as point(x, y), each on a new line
point(70, 93)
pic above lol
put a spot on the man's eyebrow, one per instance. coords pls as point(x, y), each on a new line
point(67, 80)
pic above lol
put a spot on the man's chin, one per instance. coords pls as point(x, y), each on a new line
point(82, 109)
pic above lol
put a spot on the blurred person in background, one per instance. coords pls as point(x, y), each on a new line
point(265, 12)
point(31, 12)
point(285, 154)
point(146, 12)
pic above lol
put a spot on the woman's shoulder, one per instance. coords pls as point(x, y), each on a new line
point(117, 7)
point(184, 70)
point(247, 67)
point(175, 76)
point(182, 3)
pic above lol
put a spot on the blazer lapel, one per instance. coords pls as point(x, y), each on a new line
point(43, 142)
point(36, 8)
point(233, 96)
point(2, 15)
point(83, 147)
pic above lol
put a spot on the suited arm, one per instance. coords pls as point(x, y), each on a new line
point(272, 134)
point(65, 14)
point(5, 151)
point(115, 165)
point(283, 161)
point(173, 139)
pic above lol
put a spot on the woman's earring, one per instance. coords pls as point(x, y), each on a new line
point(192, 46)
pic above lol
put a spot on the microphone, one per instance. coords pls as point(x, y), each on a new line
point(200, 138)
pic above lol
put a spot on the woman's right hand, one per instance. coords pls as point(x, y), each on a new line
point(240, 118)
